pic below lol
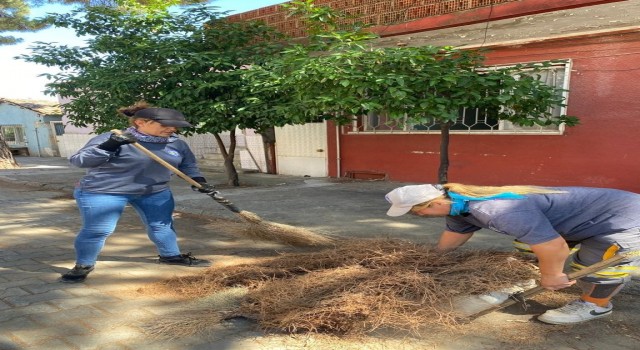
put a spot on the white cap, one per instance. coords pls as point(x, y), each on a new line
point(402, 199)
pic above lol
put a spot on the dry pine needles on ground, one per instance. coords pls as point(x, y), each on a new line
point(357, 287)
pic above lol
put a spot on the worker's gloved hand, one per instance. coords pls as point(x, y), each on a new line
point(115, 141)
point(205, 187)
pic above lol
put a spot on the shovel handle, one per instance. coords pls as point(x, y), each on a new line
point(163, 162)
point(572, 276)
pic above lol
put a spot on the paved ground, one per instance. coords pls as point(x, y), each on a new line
point(38, 221)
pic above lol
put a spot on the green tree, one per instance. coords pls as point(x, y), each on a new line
point(191, 61)
point(349, 76)
point(14, 14)
point(14, 17)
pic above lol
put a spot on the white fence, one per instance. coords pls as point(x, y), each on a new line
point(249, 145)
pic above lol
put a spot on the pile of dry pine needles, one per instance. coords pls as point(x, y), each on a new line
point(352, 289)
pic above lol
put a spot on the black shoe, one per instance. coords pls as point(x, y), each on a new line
point(79, 273)
point(183, 259)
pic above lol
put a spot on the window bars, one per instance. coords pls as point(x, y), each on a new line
point(471, 120)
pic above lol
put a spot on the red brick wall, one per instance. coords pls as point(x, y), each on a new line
point(376, 12)
point(394, 17)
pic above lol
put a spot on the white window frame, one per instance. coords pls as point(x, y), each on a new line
point(20, 138)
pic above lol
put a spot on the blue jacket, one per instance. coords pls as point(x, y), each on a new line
point(129, 170)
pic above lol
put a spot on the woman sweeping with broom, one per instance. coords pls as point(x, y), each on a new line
point(118, 174)
point(550, 220)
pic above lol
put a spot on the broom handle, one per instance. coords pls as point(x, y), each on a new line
point(163, 162)
point(225, 202)
point(572, 276)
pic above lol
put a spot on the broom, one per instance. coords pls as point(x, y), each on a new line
point(258, 228)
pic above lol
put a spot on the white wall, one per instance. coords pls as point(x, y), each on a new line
point(201, 145)
point(204, 146)
point(68, 144)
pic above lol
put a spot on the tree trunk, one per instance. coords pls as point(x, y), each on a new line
point(443, 171)
point(6, 158)
point(268, 142)
point(230, 169)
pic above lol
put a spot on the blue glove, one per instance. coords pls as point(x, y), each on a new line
point(115, 141)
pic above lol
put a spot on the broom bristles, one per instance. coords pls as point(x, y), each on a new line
point(290, 235)
point(250, 217)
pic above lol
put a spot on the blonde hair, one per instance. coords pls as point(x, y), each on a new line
point(484, 191)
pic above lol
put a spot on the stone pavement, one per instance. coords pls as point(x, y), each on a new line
point(39, 220)
point(38, 312)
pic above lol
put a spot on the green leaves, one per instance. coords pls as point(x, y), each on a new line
point(343, 76)
point(14, 16)
point(192, 61)
point(225, 75)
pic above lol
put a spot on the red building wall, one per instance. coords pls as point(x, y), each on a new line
point(374, 12)
point(395, 17)
point(603, 151)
